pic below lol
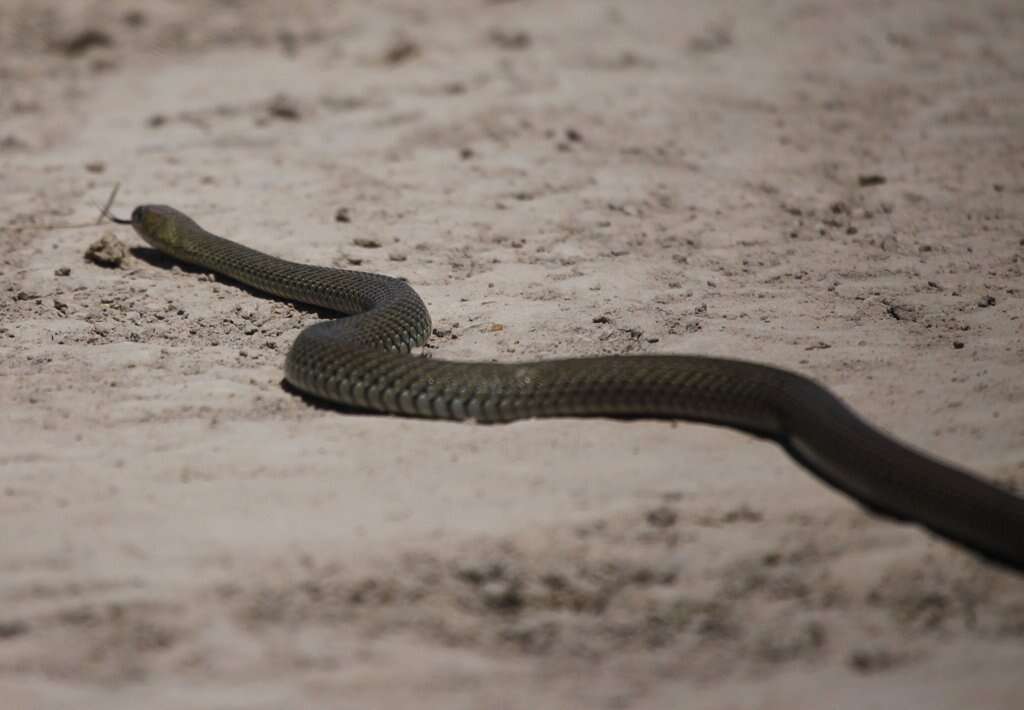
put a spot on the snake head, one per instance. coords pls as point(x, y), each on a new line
point(163, 227)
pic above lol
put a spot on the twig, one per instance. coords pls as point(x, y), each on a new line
point(110, 203)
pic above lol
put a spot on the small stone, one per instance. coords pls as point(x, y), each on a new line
point(342, 215)
point(96, 166)
point(289, 42)
point(899, 311)
point(958, 345)
point(401, 51)
point(573, 135)
point(156, 120)
point(986, 301)
point(396, 256)
point(108, 251)
point(466, 153)
point(12, 142)
point(662, 517)
point(874, 660)
point(366, 242)
point(62, 271)
point(871, 179)
point(10, 629)
point(134, 18)
point(601, 319)
point(510, 40)
point(284, 107)
point(84, 41)
point(502, 594)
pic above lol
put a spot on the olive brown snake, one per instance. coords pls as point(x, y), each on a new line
point(363, 361)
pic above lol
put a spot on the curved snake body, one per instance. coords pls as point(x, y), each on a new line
point(363, 361)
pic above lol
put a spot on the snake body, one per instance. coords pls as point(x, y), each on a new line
point(363, 361)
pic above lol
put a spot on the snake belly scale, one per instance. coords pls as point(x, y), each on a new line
point(363, 361)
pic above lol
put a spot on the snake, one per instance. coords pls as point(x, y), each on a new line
point(364, 361)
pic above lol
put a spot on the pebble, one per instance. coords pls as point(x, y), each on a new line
point(662, 517)
point(401, 51)
point(871, 179)
point(284, 107)
point(510, 40)
point(10, 629)
point(84, 41)
point(108, 251)
point(501, 594)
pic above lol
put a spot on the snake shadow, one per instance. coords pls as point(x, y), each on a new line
point(327, 405)
point(153, 257)
point(157, 259)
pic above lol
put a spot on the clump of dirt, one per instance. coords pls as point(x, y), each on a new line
point(107, 251)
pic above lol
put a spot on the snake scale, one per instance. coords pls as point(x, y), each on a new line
point(363, 361)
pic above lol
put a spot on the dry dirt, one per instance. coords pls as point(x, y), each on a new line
point(829, 186)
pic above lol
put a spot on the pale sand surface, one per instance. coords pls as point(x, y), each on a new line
point(556, 178)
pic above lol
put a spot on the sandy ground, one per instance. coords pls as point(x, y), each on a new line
point(836, 190)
